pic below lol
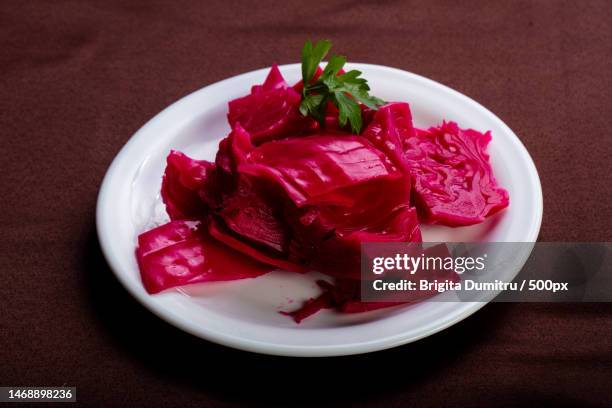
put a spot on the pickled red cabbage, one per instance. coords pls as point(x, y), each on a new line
point(270, 111)
point(287, 192)
point(180, 253)
point(453, 182)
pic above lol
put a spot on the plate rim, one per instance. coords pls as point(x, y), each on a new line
point(104, 236)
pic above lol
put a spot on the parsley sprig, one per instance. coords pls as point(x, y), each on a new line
point(343, 90)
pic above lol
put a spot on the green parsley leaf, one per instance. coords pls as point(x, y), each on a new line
point(348, 109)
point(311, 105)
point(334, 65)
point(345, 90)
point(312, 57)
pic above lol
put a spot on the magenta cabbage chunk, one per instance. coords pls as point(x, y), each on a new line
point(270, 111)
point(321, 167)
point(180, 253)
point(285, 192)
point(180, 186)
point(389, 130)
point(453, 182)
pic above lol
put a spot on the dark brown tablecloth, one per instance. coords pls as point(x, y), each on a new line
point(78, 78)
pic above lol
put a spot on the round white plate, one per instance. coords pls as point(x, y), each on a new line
point(243, 314)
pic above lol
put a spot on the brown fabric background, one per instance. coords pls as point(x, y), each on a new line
point(78, 78)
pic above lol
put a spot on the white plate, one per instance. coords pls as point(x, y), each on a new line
point(243, 314)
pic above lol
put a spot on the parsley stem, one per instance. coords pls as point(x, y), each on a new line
point(315, 87)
